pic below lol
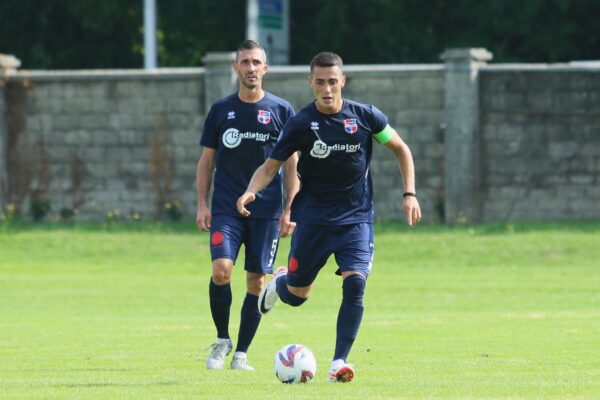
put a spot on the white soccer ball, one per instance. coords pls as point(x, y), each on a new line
point(295, 363)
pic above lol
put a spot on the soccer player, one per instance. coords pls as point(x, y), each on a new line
point(239, 133)
point(334, 207)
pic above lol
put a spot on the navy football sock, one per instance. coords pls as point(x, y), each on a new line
point(220, 303)
point(350, 315)
point(285, 295)
point(249, 321)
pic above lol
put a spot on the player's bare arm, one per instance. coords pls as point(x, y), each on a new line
point(292, 185)
point(260, 179)
point(204, 173)
point(406, 165)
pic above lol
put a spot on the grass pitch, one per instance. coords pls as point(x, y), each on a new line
point(121, 312)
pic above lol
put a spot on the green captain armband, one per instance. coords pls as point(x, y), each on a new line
point(385, 135)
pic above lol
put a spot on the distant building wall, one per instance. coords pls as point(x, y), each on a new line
point(490, 143)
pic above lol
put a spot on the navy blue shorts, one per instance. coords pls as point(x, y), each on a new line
point(260, 237)
point(312, 245)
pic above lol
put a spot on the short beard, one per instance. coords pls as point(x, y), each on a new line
point(250, 85)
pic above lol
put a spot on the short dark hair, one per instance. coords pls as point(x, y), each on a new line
point(326, 59)
point(248, 45)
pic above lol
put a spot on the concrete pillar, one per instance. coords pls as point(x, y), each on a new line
point(461, 140)
point(8, 67)
point(220, 79)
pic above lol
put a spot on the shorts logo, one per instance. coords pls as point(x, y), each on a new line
point(216, 238)
point(293, 264)
point(350, 125)
point(231, 138)
point(320, 149)
point(264, 117)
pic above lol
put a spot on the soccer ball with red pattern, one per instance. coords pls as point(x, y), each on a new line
point(295, 363)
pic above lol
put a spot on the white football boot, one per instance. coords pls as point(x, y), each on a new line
point(268, 295)
point(240, 361)
point(220, 349)
point(340, 372)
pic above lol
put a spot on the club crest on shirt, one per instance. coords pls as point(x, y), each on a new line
point(350, 125)
point(264, 117)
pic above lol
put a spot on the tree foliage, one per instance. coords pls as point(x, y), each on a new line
point(418, 31)
point(61, 34)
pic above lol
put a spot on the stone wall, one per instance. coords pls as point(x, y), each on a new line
point(490, 142)
point(540, 129)
point(105, 142)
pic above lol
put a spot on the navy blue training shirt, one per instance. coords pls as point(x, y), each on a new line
point(336, 149)
point(243, 135)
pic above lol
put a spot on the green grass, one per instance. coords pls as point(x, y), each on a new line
point(482, 312)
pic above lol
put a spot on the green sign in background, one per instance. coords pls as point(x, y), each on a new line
point(270, 21)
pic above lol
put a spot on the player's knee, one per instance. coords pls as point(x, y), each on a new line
point(254, 283)
point(221, 279)
point(221, 276)
point(354, 289)
point(295, 301)
point(294, 296)
point(221, 272)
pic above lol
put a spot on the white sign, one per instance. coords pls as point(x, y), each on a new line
point(268, 24)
